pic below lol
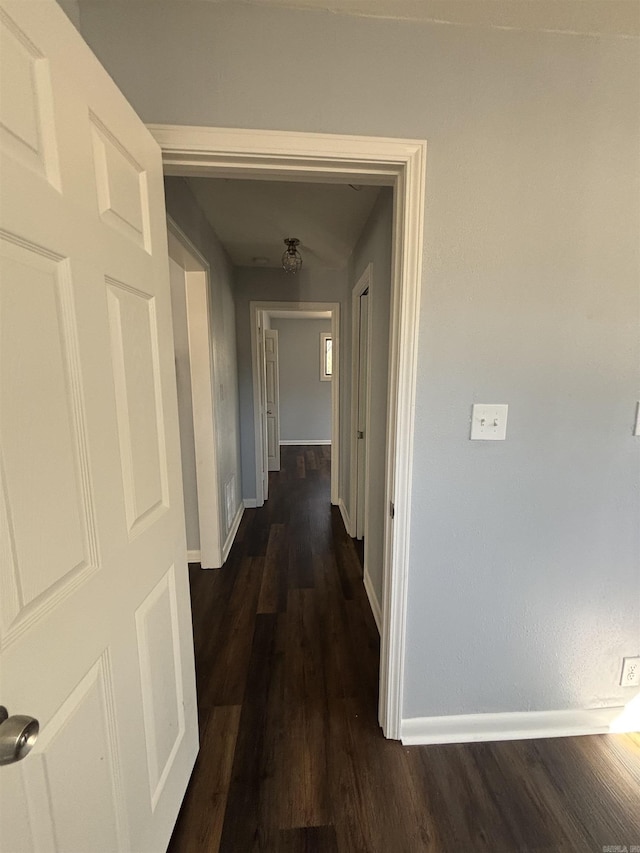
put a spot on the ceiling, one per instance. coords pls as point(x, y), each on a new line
point(596, 17)
point(252, 218)
point(591, 17)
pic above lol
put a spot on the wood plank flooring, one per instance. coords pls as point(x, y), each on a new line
point(292, 759)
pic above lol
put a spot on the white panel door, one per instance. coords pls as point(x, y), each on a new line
point(95, 623)
point(272, 385)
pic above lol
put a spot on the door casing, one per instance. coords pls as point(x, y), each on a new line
point(363, 285)
point(202, 369)
point(400, 163)
point(256, 312)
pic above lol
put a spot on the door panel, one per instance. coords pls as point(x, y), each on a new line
point(55, 800)
point(121, 185)
point(26, 130)
point(95, 622)
point(38, 336)
point(158, 632)
point(134, 353)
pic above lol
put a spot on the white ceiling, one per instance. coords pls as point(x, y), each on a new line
point(594, 17)
point(252, 219)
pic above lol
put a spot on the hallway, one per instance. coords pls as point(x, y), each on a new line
point(292, 758)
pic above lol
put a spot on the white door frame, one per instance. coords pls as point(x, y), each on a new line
point(276, 393)
point(365, 282)
point(256, 310)
point(197, 276)
point(401, 163)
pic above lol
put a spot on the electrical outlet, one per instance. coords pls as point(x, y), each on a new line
point(630, 672)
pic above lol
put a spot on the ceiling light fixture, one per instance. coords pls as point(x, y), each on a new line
point(291, 258)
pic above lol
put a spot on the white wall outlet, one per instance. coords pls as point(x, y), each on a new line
point(489, 421)
point(630, 672)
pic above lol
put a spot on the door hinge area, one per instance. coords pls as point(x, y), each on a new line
point(360, 434)
point(392, 509)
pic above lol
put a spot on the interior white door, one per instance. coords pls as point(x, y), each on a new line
point(95, 621)
point(272, 386)
point(361, 445)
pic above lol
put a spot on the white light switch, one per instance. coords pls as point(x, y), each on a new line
point(489, 421)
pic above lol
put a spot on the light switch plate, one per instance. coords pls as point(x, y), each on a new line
point(489, 421)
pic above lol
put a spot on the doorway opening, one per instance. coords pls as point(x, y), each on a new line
point(261, 313)
point(401, 164)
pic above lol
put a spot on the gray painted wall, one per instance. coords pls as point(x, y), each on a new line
point(185, 404)
point(182, 208)
point(374, 246)
point(524, 554)
point(263, 285)
point(305, 400)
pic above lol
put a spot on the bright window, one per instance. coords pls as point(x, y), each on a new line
point(326, 356)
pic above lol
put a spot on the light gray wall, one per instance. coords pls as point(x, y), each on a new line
point(275, 285)
point(524, 554)
point(305, 400)
point(183, 209)
point(185, 404)
point(374, 247)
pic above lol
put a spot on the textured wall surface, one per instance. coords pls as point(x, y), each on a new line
point(305, 400)
point(524, 554)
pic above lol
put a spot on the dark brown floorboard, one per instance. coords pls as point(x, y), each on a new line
point(291, 756)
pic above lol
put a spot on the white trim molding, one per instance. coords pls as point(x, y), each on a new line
point(344, 512)
point(469, 728)
point(250, 503)
point(193, 556)
point(360, 519)
point(197, 280)
point(400, 163)
point(374, 603)
point(231, 535)
point(324, 376)
point(257, 311)
point(306, 442)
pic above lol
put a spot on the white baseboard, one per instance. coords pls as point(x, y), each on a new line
point(306, 441)
point(344, 512)
point(250, 503)
point(231, 535)
point(193, 556)
point(469, 728)
point(373, 601)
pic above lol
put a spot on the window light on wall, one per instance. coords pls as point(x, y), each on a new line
point(326, 356)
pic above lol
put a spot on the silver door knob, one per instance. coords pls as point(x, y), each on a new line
point(17, 736)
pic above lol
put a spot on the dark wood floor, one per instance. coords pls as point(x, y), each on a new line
point(292, 758)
